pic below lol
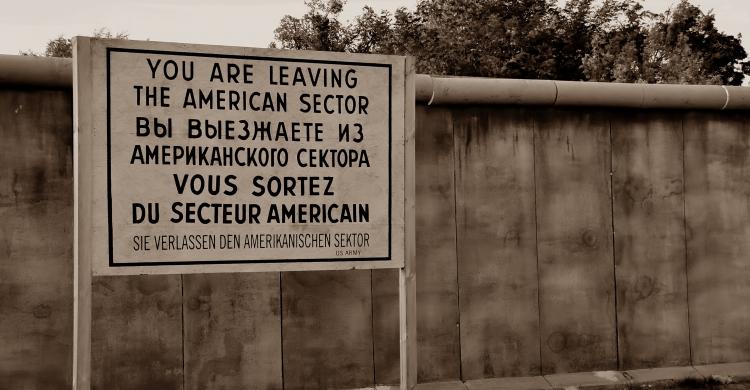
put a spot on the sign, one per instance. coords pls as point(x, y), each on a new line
point(196, 158)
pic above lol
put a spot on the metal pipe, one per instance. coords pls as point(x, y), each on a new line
point(423, 88)
point(713, 97)
point(36, 71)
point(432, 90)
point(577, 93)
point(738, 98)
point(476, 90)
point(472, 90)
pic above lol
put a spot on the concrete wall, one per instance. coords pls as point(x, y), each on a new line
point(36, 239)
point(548, 240)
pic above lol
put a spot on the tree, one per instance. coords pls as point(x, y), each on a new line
point(616, 40)
point(63, 47)
point(684, 46)
point(681, 45)
point(372, 32)
point(318, 29)
point(617, 44)
point(494, 38)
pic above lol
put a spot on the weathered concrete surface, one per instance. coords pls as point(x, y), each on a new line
point(574, 233)
point(662, 378)
point(326, 329)
point(136, 333)
point(650, 241)
point(447, 385)
point(232, 331)
point(734, 376)
point(589, 380)
point(717, 209)
point(36, 239)
point(513, 383)
point(734, 372)
point(437, 286)
point(385, 336)
point(495, 224)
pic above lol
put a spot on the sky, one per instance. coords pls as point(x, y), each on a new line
point(29, 24)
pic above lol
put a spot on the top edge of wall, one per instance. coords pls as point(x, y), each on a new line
point(441, 90)
point(36, 71)
point(438, 90)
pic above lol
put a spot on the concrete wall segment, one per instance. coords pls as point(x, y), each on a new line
point(470, 260)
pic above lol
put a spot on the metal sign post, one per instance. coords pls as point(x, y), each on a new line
point(201, 159)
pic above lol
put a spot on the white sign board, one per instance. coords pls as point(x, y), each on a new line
point(196, 158)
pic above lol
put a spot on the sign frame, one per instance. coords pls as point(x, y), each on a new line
point(88, 198)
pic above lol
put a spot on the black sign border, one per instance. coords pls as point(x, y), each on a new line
point(112, 263)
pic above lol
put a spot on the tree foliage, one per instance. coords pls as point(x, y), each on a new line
point(63, 47)
point(318, 29)
point(611, 40)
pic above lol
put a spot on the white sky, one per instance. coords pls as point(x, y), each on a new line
point(29, 24)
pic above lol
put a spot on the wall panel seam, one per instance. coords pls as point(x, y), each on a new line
point(684, 235)
point(281, 330)
point(536, 245)
point(182, 314)
point(455, 243)
point(614, 251)
point(372, 331)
